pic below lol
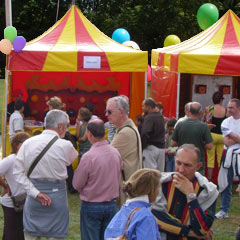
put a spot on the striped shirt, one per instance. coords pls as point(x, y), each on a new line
point(181, 216)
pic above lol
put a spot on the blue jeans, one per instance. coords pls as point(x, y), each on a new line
point(94, 219)
point(227, 193)
point(170, 164)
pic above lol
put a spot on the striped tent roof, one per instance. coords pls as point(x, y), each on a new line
point(70, 46)
point(215, 51)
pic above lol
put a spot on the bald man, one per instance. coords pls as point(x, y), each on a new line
point(193, 131)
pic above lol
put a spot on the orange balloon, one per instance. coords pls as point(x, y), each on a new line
point(34, 98)
point(5, 46)
point(82, 99)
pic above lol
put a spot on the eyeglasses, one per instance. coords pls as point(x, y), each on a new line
point(108, 112)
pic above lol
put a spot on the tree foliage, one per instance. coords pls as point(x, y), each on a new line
point(148, 22)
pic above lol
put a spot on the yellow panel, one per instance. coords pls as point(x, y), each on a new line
point(167, 61)
point(203, 59)
point(121, 58)
point(154, 58)
point(64, 53)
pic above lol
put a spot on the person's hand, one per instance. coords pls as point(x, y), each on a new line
point(208, 236)
point(182, 183)
point(6, 190)
point(171, 152)
point(211, 126)
point(44, 199)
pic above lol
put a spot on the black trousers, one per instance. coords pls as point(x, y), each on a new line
point(13, 224)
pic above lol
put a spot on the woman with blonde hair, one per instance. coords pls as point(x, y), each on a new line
point(135, 220)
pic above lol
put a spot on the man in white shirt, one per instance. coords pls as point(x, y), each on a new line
point(16, 120)
point(231, 136)
point(46, 211)
point(186, 110)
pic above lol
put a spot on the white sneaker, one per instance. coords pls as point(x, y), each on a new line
point(221, 214)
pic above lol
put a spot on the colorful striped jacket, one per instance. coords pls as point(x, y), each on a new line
point(176, 217)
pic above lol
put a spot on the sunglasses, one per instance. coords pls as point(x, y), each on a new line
point(108, 112)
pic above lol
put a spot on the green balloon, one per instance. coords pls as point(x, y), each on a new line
point(207, 15)
point(10, 33)
point(171, 40)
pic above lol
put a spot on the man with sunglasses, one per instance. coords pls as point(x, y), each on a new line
point(126, 140)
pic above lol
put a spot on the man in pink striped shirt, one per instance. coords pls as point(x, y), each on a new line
point(97, 178)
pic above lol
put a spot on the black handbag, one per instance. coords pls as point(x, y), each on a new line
point(19, 200)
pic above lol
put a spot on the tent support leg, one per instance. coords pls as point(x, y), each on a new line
point(5, 113)
point(178, 95)
point(145, 87)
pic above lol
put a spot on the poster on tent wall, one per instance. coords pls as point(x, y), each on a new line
point(164, 90)
point(74, 89)
point(204, 86)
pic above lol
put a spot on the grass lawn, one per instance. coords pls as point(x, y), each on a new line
point(223, 229)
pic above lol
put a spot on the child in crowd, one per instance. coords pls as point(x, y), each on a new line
point(170, 151)
point(135, 220)
point(139, 122)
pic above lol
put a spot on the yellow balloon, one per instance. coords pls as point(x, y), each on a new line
point(34, 98)
point(5, 46)
point(171, 40)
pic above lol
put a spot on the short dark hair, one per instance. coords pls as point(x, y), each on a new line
point(236, 100)
point(90, 106)
point(96, 127)
point(159, 105)
point(18, 104)
point(171, 122)
point(217, 97)
point(150, 102)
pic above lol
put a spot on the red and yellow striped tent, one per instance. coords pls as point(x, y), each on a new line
point(215, 51)
point(77, 62)
point(75, 48)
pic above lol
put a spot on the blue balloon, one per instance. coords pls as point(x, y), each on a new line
point(121, 35)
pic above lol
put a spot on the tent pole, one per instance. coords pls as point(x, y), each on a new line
point(5, 113)
point(145, 87)
point(178, 95)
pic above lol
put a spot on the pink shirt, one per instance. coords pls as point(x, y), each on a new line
point(97, 177)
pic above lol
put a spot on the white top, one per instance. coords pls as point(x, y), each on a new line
point(51, 166)
point(15, 123)
point(6, 169)
point(181, 120)
point(231, 125)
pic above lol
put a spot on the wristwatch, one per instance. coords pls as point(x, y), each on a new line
point(191, 196)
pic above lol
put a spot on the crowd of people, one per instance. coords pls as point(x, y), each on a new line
point(145, 181)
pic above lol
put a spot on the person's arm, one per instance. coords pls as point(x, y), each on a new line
point(208, 138)
point(174, 141)
point(20, 174)
point(6, 189)
point(235, 137)
point(5, 167)
point(228, 141)
point(208, 146)
point(81, 174)
point(84, 137)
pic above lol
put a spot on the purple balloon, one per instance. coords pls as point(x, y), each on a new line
point(19, 43)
